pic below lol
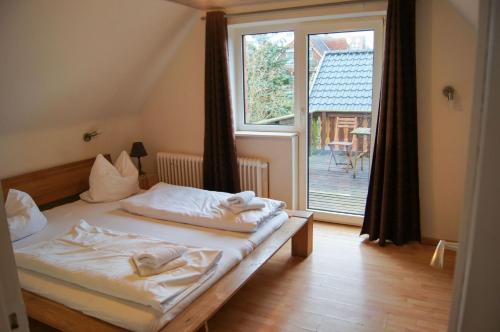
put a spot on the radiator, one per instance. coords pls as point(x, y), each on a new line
point(187, 170)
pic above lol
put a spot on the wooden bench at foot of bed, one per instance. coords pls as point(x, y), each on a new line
point(62, 184)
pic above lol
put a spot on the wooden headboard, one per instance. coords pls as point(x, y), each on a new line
point(53, 186)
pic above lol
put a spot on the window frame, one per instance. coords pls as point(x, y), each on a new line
point(236, 72)
point(301, 28)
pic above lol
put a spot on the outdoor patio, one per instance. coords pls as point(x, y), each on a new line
point(335, 189)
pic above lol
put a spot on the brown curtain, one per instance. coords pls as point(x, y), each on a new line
point(220, 168)
point(392, 207)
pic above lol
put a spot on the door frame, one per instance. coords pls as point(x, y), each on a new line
point(302, 32)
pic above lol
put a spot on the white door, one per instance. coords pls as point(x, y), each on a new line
point(319, 77)
point(13, 316)
point(339, 83)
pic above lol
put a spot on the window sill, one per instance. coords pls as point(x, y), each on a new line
point(265, 134)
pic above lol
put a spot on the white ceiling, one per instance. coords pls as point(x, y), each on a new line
point(468, 8)
point(215, 4)
point(237, 4)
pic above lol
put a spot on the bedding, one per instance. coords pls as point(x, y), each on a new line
point(101, 260)
point(235, 246)
point(198, 207)
point(23, 215)
point(109, 182)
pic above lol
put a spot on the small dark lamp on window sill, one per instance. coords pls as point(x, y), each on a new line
point(138, 151)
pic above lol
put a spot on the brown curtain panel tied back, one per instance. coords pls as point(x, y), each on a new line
point(392, 206)
point(220, 167)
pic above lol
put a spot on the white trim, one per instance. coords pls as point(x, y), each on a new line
point(236, 71)
point(299, 20)
point(301, 27)
point(264, 134)
point(338, 218)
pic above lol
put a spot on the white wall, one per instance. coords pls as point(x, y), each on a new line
point(446, 44)
point(31, 150)
point(71, 66)
point(174, 118)
point(174, 114)
point(281, 152)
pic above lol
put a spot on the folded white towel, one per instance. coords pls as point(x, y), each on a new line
point(159, 256)
point(254, 204)
point(145, 270)
point(240, 199)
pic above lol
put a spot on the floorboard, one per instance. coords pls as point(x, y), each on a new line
point(347, 284)
point(335, 189)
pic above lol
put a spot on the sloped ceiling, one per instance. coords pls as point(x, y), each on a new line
point(65, 62)
point(469, 9)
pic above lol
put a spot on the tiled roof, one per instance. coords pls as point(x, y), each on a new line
point(343, 82)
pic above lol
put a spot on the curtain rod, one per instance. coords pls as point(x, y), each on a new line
point(275, 10)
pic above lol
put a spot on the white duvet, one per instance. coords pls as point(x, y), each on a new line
point(198, 207)
point(100, 259)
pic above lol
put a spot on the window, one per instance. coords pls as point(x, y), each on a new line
point(321, 79)
point(263, 82)
point(342, 121)
point(268, 78)
point(268, 68)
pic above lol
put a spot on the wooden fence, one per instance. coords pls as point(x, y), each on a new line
point(328, 122)
point(329, 131)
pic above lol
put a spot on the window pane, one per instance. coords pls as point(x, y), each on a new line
point(341, 122)
point(268, 61)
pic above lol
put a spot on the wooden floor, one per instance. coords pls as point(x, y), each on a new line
point(336, 189)
point(345, 285)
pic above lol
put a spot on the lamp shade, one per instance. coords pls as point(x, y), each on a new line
point(138, 150)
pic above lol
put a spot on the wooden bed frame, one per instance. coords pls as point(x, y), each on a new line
point(62, 184)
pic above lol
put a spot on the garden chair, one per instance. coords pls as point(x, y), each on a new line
point(346, 124)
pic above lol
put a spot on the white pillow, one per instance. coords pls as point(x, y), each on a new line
point(110, 183)
point(23, 215)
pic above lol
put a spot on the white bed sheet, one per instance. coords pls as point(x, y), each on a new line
point(235, 247)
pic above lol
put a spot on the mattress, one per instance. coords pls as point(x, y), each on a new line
point(235, 246)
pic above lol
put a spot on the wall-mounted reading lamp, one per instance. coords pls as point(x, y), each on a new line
point(449, 92)
point(88, 136)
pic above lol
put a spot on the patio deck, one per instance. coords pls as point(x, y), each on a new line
point(336, 190)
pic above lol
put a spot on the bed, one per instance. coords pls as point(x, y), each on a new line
point(72, 308)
